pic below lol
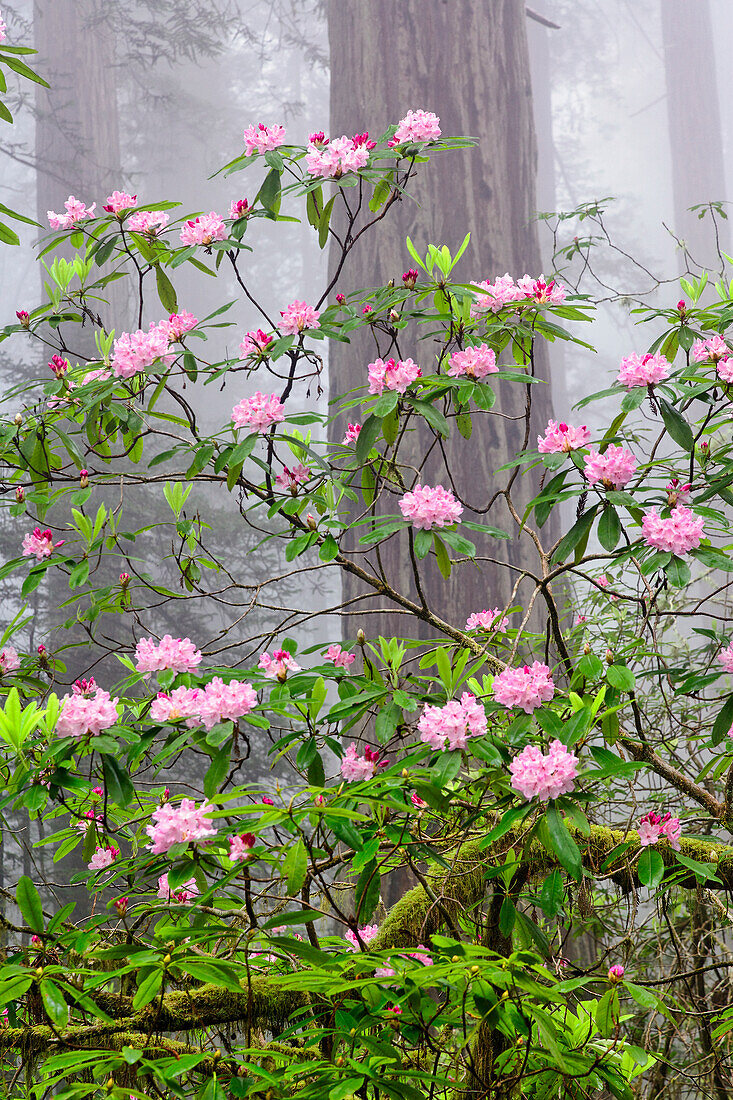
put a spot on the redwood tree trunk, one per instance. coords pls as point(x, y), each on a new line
point(696, 145)
point(468, 62)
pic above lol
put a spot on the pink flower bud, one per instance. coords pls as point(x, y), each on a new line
point(366, 309)
point(267, 801)
point(19, 494)
point(682, 305)
point(616, 973)
point(121, 906)
point(83, 479)
point(311, 521)
point(340, 298)
point(23, 317)
point(409, 278)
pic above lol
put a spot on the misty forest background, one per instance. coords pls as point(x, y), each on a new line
point(571, 101)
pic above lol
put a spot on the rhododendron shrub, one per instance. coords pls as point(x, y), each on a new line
point(238, 937)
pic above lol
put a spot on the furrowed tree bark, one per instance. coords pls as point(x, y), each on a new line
point(470, 65)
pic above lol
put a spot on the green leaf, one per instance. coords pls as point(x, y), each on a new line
point(329, 550)
point(607, 1013)
point(579, 531)
point(370, 431)
point(723, 722)
point(676, 425)
point(8, 235)
point(29, 903)
point(217, 769)
point(678, 573)
point(609, 528)
point(441, 554)
point(117, 781)
point(651, 867)
point(620, 677)
point(714, 559)
point(54, 1003)
point(295, 867)
point(552, 894)
point(324, 222)
point(166, 292)
point(367, 891)
point(269, 193)
point(422, 541)
point(563, 845)
point(385, 403)
point(147, 989)
point(434, 417)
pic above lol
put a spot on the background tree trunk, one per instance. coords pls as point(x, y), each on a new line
point(696, 145)
point(470, 65)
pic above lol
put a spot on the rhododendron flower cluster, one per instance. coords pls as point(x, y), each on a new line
point(9, 660)
point(536, 775)
point(86, 711)
point(453, 723)
point(181, 703)
point(239, 208)
point(351, 435)
point(178, 324)
point(330, 159)
point(526, 687)
point(504, 291)
point(177, 824)
point(726, 658)
point(185, 892)
point(613, 469)
point(204, 229)
point(542, 291)
point(652, 827)
point(427, 507)
point(643, 370)
point(240, 847)
point(40, 544)
point(262, 139)
point(118, 202)
point(487, 620)
point(76, 211)
point(103, 857)
point(338, 657)
point(221, 702)
point(135, 351)
point(279, 665)
point(150, 222)
point(417, 125)
point(473, 362)
point(254, 343)
point(562, 438)
point(291, 479)
point(395, 374)
point(260, 411)
point(179, 654)
point(297, 317)
point(711, 350)
point(366, 935)
point(679, 532)
point(357, 768)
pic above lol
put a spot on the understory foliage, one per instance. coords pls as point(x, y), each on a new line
point(551, 781)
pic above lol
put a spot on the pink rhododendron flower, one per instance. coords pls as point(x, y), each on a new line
point(220, 702)
point(712, 350)
point(150, 222)
point(418, 803)
point(75, 212)
point(330, 159)
point(255, 343)
point(643, 370)
point(86, 712)
point(536, 775)
point(58, 365)
point(186, 892)
point(259, 411)
point(427, 507)
point(603, 582)
point(562, 438)
point(9, 660)
point(204, 229)
point(524, 687)
point(416, 126)
point(616, 973)
point(652, 827)
point(40, 544)
point(297, 317)
point(395, 374)
point(279, 665)
point(135, 351)
point(496, 295)
point(183, 702)
point(291, 479)
point(175, 824)
point(726, 658)
point(613, 469)
point(352, 434)
point(83, 825)
point(118, 202)
point(103, 857)
point(178, 324)
point(179, 654)
point(262, 139)
point(3, 29)
point(240, 847)
point(677, 493)
point(541, 291)
point(367, 934)
point(454, 723)
point(487, 620)
point(679, 533)
point(357, 768)
point(239, 209)
point(474, 362)
point(339, 657)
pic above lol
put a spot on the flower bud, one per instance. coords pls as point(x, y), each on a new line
point(367, 309)
point(310, 520)
point(83, 479)
point(682, 306)
point(409, 278)
point(586, 649)
point(121, 906)
point(405, 773)
point(340, 298)
point(19, 494)
point(23, 317)
point(18, 419)
point(609, 657)
point(616, 973)
point(39, 971)
point(394, 316)
point(167, 960)
point(360, 637)
point(124, 579)
point(475, 970)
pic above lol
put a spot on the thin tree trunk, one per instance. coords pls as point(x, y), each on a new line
point(696, 145)
point(469, 63)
